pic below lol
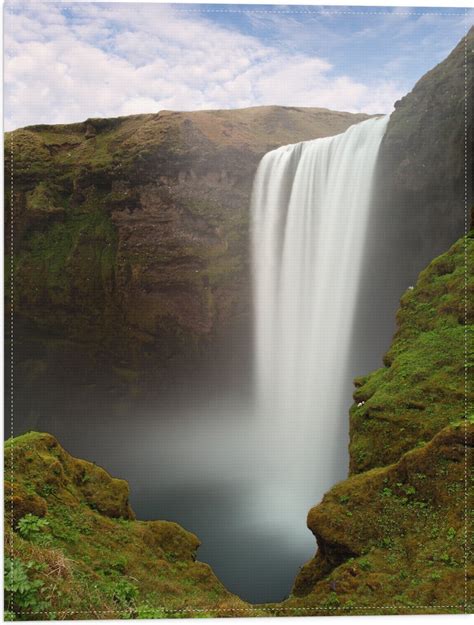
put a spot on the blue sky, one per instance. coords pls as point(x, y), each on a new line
point(66, 61)
point(363, 42)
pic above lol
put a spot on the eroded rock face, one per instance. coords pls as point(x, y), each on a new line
point(132, 233)
point(395, 536)
point(427, 149)
point(420, 208)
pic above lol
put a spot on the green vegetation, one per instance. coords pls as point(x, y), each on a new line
point(406, 547)
point(131, 234)
point(22, 593)
point(30, 526)
point(77, 253)
point(421, 388)
point(74, 549)
point(393, 538)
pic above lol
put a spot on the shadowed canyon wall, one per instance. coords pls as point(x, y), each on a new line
point(423, 200)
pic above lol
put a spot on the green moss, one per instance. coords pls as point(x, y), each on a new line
point(406, 532)
point(422, 387)
point(87, 556)
point(69, 265)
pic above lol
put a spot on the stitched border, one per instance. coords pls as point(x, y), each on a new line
point(12, 214)
point(361, 609)
point(290, 11)
point(245, 610)
point(466, 380)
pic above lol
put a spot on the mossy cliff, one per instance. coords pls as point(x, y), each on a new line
point(396, 536)
point(422, 386)
point(130, 234)
point(74, 549)
point(393, 538)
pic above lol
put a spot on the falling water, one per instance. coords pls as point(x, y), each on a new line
point(310, 216)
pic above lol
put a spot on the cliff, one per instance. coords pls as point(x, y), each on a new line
point(422, 197)
point(131, 238)
point(130, 234)
point(74, 549)
point(425, 139)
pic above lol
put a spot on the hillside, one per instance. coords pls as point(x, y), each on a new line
point(74, 549)
point(130, 234)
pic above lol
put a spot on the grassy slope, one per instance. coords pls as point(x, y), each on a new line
point(422, 388)
point(91, 559)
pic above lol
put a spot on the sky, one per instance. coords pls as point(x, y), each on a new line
point(65, 61)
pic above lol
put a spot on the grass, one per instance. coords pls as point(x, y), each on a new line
point(406, 533)
point(83, 555)
point(421, 388)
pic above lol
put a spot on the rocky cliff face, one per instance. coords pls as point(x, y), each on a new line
point(422, 201)
point(131, 234)
point(429, 135)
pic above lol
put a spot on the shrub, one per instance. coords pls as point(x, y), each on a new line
point(30, 526)
point(22, 593)
point(124, 593)
point(364, 564)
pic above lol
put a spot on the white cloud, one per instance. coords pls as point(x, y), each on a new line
point(108, 60)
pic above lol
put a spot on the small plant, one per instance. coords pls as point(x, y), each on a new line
point(21, 592)
point(124, 593)
point(332, 601)
point(364, 564)
point(48, 489)
point(386, 492)
point(343, 499)
point(30, 526)
point(451, 533)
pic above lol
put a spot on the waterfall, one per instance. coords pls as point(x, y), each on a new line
point(310, 215)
